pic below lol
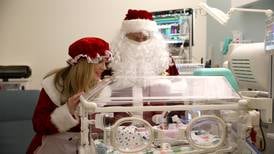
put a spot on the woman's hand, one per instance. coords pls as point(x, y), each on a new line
point(73, 102)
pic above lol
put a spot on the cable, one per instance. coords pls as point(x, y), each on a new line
point(264, 142)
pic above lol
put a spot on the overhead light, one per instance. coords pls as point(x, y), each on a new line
point(217, 14)
point(222, 17)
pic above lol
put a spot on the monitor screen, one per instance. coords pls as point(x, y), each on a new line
point(175, 25)
point(269, 36)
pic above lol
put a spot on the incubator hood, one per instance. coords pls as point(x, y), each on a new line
point(170, 89)
point(147, 102)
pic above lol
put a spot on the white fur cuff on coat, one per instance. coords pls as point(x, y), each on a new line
point(62, 118)
point(138, 25)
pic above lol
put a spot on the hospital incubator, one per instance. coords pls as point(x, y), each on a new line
point(164, 114)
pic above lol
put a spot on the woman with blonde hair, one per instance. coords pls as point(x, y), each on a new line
point(54, 119)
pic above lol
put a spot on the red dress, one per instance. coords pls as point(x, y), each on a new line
point(50, 117)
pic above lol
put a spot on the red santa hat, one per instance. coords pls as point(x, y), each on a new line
point(92, 48)
point(138, 21)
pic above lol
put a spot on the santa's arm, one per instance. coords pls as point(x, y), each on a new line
point(49, 118)
point(172, 70)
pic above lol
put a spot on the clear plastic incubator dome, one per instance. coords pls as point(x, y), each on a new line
point(183, 114)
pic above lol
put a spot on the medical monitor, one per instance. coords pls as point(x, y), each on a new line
point(250, 65)
point(269, 36)
point(175, 25)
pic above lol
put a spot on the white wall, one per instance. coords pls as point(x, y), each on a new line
point(38, 32)
point(237, 3)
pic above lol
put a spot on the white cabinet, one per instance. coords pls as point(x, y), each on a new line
point(241, 3)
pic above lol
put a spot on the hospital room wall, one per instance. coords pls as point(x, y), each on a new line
point(252, 26)
point(38, 32)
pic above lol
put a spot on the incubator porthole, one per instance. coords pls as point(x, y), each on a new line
point(131, 135)
point(206, 132)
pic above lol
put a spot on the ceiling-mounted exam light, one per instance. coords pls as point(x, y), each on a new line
point(222, 17)
point(217, 14)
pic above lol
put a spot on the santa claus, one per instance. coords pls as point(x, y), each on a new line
point(140, 49)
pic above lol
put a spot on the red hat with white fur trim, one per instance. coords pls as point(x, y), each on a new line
point(92, 48)
point(138, 21)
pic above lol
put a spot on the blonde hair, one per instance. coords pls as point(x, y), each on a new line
point(74, 78)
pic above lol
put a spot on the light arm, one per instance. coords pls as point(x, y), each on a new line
point(222, 17)
point(267, 12)
point(217, 14)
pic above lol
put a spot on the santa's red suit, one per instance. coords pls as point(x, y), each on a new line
point(172, 69)
point(53, 122)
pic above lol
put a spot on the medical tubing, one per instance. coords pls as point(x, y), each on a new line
point(264, 142)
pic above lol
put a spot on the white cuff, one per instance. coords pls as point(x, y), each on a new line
point(62, 118)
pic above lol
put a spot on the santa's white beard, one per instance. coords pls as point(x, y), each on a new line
point(131, 59)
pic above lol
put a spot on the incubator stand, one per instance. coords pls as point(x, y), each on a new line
point(172, 114)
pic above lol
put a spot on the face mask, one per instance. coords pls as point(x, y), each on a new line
point(133, 42)
point(136, 38)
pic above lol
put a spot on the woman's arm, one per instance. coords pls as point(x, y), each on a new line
point(49, 118)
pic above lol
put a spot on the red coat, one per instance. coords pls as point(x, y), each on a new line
point(50, 117)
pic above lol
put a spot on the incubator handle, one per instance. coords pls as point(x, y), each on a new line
point(90, 106)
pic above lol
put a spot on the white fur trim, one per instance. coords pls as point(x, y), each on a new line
point(95, 60)
point(52, 92)
point(138, 25)
point(62, 118)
